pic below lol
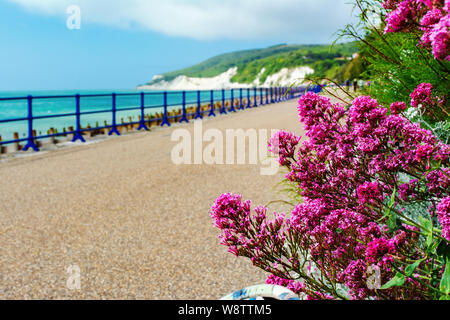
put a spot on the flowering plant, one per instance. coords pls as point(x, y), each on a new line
point(405, 43)
point(374, 222)
point(430, 17)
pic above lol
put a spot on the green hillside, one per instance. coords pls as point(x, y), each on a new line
point(326, 62)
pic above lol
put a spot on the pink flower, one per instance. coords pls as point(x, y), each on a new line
point(400, 18)
point(379, 250)
point(424, 152)
point(294, 286)
point(368, 192)
point(406, 190)
point(283, 144)
point(440, 39)
point(431, 17)
point(438, 181)
point(442, 153)
point(422, 95)
point(356, 280)
point(443, 212)
point(365, 108)
point(398, 107)
point(434, 22)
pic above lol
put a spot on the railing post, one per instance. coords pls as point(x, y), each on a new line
point(223, 110)
point(271, 95)
point(261, 99)
point(184, 117)
point(232, 102)
point(142, 125)
point(211, 111)
point(267, 95)
point(248, 99)
point(165, 117)
point(241, 106)
point(255, 103)
point(78, 134)
point(30, 143)
point(114, 126)
point(199, 114)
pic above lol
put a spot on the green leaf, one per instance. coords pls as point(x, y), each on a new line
point(397, 281)
point(391, 221)
point(427, 229)
point(447, 126)
point(410, 268)
point(445, 281)
point(392, 202)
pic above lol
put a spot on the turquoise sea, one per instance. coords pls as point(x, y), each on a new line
point(10, 109)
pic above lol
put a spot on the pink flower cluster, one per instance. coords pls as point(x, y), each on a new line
point(294, 286)
point(424, 99)
point(439, 38)
point(428, 16)
point(398, 107)
point(443, 212)
point(284, 143)
point(422, 95)
point(369, 192)
point(408, 191)
point(401, 18)
point(245, 234)
point(347, 171)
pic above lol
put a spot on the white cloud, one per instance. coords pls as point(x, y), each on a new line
point(210, 19)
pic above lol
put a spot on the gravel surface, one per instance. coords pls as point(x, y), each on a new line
point(136, 225)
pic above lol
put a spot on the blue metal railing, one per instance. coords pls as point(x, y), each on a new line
point(271, 95)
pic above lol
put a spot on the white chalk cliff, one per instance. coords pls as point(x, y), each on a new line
point(285, 77)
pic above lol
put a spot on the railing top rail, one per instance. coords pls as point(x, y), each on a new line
point(253, 93)
point(89, 95)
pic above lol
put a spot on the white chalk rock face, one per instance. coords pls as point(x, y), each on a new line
point(287, 77)
point(284, 78)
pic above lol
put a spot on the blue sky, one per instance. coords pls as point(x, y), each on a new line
point(124, 43)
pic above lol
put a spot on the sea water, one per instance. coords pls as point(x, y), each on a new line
point(153, 101)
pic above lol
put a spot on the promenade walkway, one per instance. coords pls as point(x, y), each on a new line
point(135, 224)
